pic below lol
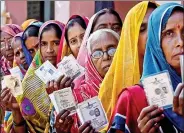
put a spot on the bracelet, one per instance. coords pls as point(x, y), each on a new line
point(22, 123)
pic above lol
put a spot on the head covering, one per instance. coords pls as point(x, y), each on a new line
point(64, 49)
point(124, 70)
point(11, 29)
point(82, 55)
point(25, 50)
point(26, 23)
point(15, 62)
point(154, 60)
point(90, 85)
point(34, 102)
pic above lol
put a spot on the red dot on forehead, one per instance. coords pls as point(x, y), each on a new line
point(178, 26)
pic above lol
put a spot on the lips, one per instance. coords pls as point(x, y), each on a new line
point(23, 62)
point(106, 67)
point(51, 57)
point(181, 53)
point(10, 55)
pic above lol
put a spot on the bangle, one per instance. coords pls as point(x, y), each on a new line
point(22, 123)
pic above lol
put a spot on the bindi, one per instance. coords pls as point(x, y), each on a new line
point(178, 26)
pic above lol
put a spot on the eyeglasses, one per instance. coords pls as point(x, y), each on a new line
point(99, 54)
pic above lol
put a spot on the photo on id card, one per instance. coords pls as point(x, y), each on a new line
point(158, 89)
point(92, 110)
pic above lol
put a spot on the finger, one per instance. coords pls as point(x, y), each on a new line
point(92, 131)
point(4, 92)
point(145, 111)
point(70, 123)
point(5, 99)
point(49, 90)
point(51, 85)
point(65, 115)
point(63, 81)
point(65, 124)
point(60, 114)
point(81, 128)
point(10, 99)
point(59, 79)
point(88, 129)
point(55, 86)
point(155, 128)
point(151, 123)
point(68, 83)
point(151, 115)
point(178, 89)
point(181, 103)
point(176, 96)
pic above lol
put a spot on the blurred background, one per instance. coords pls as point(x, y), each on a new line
point(18, 11)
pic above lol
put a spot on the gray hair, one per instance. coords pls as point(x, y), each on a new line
point(97, 34)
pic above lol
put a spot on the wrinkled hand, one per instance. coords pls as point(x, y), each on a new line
point(178, 101)
point(149, 118)
point(61, 83)
point(63, 122)
point(8, 100)
point(86, 128)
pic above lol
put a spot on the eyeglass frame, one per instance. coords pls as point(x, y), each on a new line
point(104, 52)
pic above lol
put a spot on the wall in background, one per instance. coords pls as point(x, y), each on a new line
point(18, 11)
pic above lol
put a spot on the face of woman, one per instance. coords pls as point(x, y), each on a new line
point(143, 33)
point(108, 21)
point(49, 46)
point(143, 37)
point(172, 40)
point(32, 45)
point(75, 37)
point(19, 54)
point(102, 52)
point(6, 48)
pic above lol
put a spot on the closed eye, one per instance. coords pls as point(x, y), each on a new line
point(102, 26)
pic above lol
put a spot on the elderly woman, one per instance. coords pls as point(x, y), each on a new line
point(8, 31)
point(19, 55)
point(101, 46)
point(164, 46)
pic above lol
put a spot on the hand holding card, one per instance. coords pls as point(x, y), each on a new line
point(63, 99)
point(158, 89)
point(71, 67)
point(92, 110)
point(13, 82)
point(47, 72)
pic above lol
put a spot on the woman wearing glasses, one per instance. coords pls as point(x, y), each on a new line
point(101, 47)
